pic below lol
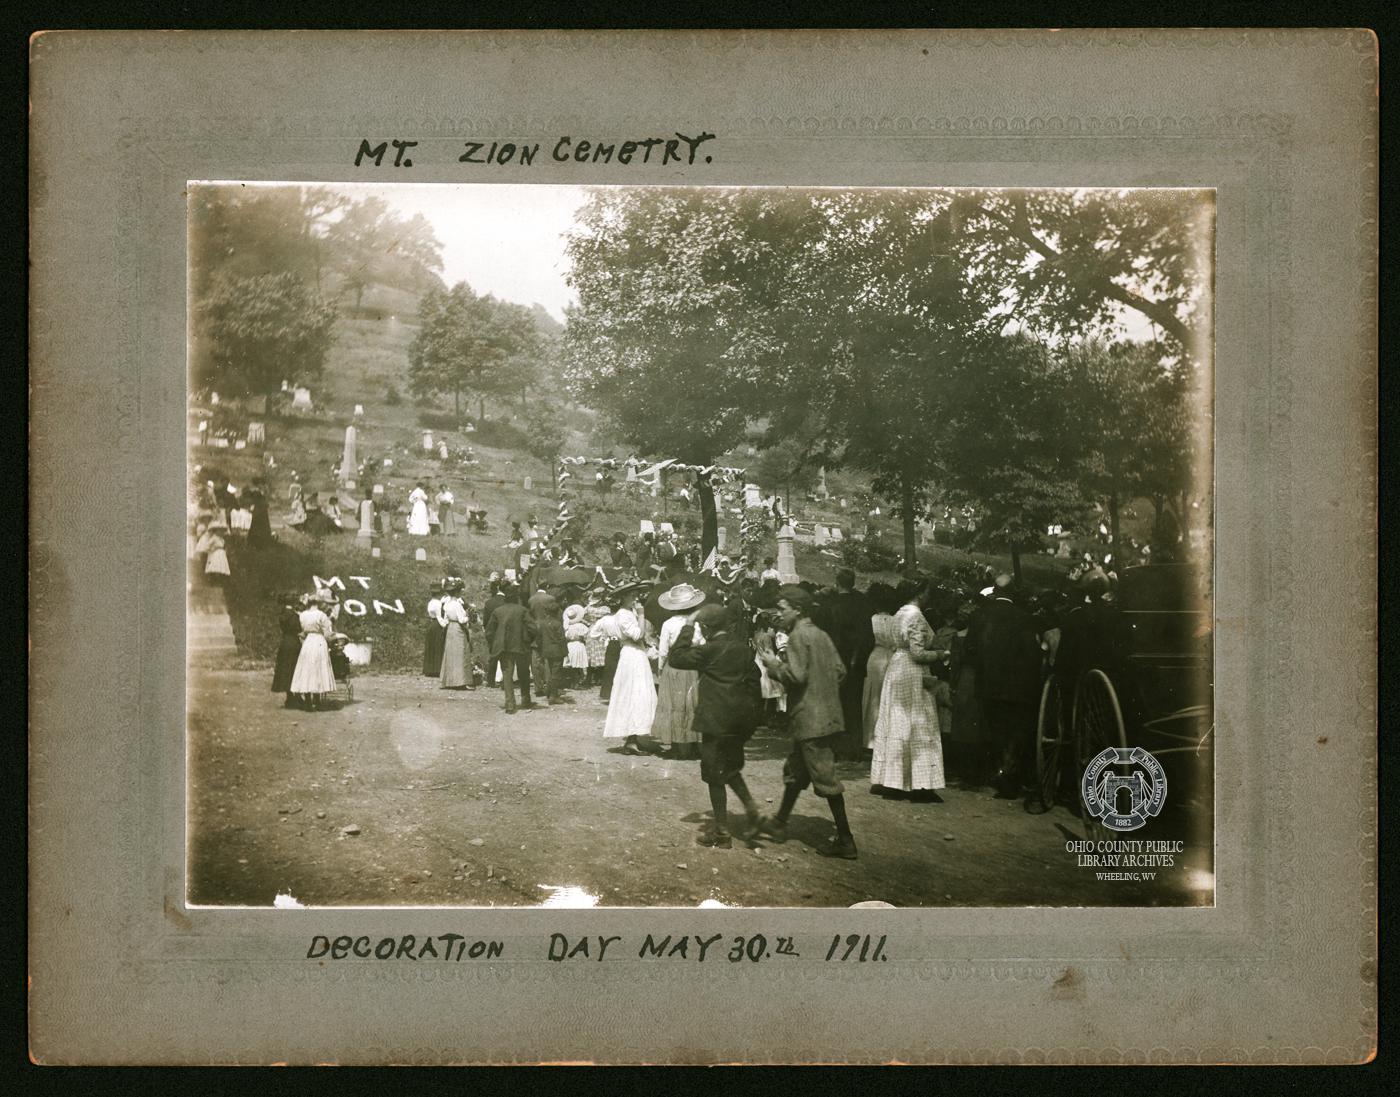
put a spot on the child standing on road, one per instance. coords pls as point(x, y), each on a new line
point(727, 710)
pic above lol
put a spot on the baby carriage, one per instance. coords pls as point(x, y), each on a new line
point(340, 667)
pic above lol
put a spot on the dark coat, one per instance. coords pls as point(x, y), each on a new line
point(548, 620)
point(848, 619)
point(1003, 649)
point(511, 630)
point(492, 604)
point(729, 700)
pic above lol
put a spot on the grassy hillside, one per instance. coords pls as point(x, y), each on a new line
point(369, 358)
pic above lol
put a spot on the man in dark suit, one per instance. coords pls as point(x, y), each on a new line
point(1004, 649)
point(509, 636)
point(493, 602)
point(846, 617)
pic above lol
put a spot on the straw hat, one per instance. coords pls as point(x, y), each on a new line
point(682, 596)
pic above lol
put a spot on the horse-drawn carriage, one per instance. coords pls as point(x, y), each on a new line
point(1132, 672)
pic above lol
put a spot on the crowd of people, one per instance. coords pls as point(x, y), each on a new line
point(932, 679)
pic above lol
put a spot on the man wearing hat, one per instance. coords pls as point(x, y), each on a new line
point(509, 636)
point(728, 706)
point(811, 671)
point(1004, 651)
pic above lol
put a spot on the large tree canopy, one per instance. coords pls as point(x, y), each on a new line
point(869, 325)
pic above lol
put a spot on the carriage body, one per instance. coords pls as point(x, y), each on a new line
point(1134, 673)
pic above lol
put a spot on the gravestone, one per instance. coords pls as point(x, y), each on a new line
point(666, 527)
point(821, 536)
point(787, 563)
point(529, 483)
point(257, 434)
point(645, 526)
point(359, 411)
point(442, 450)
point(378, 493)
point(721, 538)
point(631, 474)
point(752, 496)
point(427, 441)
point(348, 461)
point(366, 519)
point(421, 555)
point(374, 552)
point(301, 398)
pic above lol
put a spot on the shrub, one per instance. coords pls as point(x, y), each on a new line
point(392, 397)
point(441, 420)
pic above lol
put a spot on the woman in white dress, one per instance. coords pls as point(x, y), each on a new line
point(211, 546)
point(456, 643)
point(313, 678)
point(632, 703)
point(908, 751)
point(418, 524)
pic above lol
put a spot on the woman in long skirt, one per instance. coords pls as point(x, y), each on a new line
point(456, 644)
point(908, 752)
point(313, 678)
point(674, 724)
point(215, 558)
point(633, 702)
point(886, 640)
point(288, 649)
point(434, 635)
point(418, 524)
point(447, 524)
point(596, 643)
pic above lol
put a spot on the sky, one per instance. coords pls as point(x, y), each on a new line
point(503, 239)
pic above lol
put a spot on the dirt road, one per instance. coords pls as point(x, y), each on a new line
point(412, 795)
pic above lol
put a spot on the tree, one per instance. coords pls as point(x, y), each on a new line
point(545, 434)
point(255, 331)
point(1134, 417)
point(1072, 260)
point(471, 343)
point(787, 464)
point(1013, 449)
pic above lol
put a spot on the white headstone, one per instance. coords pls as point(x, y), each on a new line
point(442, 450)
point(510, 574)
point(366, 518)
point(213, 397)
point(631, 473)
point(286, 385)
point(421, 555)
point(787, 564)
point(821, 536)
point(646, 526)
point(359, 411)
point(721, 538)
point(378, 492)
point(256, 433)
point(529, 483)
point(301, 398)
point(348, 461)
point(666, 527)
point(374, 552)
point(753, 497)
point(427, 440)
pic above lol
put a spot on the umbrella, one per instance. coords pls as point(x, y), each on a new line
point(657, 615)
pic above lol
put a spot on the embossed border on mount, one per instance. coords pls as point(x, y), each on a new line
point(166, 941)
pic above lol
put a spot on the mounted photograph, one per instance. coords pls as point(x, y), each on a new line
point(678, 546)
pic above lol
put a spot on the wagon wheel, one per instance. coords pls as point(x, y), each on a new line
point(1050, 742)
point(1098, 723)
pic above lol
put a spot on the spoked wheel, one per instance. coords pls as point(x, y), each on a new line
point(1051, 744)
point(1098, 724)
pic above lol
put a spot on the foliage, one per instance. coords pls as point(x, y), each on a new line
point(1015, 445)
point(256, 331)
point(474, 344)
point(544, 433)
point(392, 396)
point(868, 555)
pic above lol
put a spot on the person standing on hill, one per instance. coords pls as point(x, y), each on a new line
point(495, 599)
point(418, 524)
point(811, 671)
point(447, 524)
point(727, 710)
point(550, 646)
point(456, 645)
point(435, 634)
point(510, 634)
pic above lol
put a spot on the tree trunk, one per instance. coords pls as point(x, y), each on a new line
point(1016, 565)
point(709, 518)
point(906, 508)
point(480, 409)
point(1113, 523)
